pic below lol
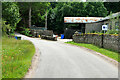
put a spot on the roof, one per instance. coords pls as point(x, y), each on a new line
point(81, 19)
point(89, 19)
point(37, 28)
point(110, 16)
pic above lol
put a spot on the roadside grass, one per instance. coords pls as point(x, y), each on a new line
point(109, 53)
point(16, 57)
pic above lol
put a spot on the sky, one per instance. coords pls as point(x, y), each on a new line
point(84, 0)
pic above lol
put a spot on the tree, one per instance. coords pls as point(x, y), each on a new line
point(11, 14)
point(95, 9)
point(35, 10)
point(5, 28)
point(72, 9)
point(29, 14)
point(112, 7)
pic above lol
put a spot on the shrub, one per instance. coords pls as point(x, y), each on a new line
point(113, 31)
point(5, 28)
point(25, 31)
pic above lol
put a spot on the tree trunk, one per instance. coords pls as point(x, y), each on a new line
point(46, 20)
point(24, 22)
point(30, 16)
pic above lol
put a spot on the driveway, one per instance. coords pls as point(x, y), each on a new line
point(59, 60)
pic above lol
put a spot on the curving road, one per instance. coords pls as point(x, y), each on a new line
point(59, 60)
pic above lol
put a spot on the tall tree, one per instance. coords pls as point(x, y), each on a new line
point(10, 13)
point(34, 9)
point(96, 9)
point(29, 14)
point(73, 9)
point(112, 7)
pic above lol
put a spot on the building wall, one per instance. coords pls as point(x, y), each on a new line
point(89, 27)
point(93, 27)
point(110, 42)
point(111, 23)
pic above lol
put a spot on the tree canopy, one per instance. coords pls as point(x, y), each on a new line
point(10, 13)
point(25, 14)
point(73, 9)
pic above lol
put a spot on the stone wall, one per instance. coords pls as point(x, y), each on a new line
point(110, 42)
point(105, 41)
point(78, 38)
point(93, 39)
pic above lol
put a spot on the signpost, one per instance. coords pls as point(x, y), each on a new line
point(105, 28)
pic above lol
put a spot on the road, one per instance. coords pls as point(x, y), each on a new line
point(59, 60)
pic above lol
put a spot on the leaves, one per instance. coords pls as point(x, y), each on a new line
point(73, 9)
point(11, 13)
point(37, 13)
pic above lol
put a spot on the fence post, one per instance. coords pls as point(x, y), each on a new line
point(102, 41)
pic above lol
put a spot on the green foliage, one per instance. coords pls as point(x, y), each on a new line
point(113, 31)
point(56, 12)
point(38, 9)
point(109, 53)
point(25, 31)
point(72, 9)
point(95, 9)
point(11, 14)
point(12, 34)
point(5, 28)
point(16, 57)
point(116, 28)
point(112, 6)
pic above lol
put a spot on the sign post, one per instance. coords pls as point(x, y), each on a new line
point(105, 28)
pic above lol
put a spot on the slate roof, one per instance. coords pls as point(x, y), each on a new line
point(110, 16)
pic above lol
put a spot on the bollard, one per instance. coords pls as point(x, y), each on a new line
point(39, 36)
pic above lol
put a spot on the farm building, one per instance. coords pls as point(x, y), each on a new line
point(90, 24)
point(111, 21)
point(81, 24)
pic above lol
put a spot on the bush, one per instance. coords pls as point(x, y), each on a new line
point(25, 31)
point(10, 13)
point(5, 28)
point(113, 31)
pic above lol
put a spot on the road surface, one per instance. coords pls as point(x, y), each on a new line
point(59, 60)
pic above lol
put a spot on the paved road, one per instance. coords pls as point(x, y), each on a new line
point(59, 60)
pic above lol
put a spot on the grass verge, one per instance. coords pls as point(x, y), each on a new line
point(16, 57)
point(111, 54)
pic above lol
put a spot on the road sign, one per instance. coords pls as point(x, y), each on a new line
point(104, 27)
